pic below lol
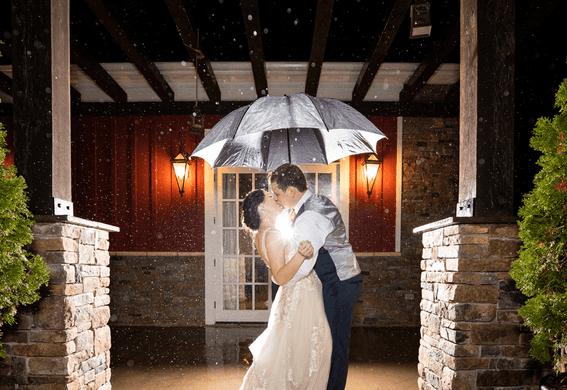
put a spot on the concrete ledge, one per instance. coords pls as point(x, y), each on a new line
point(75, 221)
point(464, 220)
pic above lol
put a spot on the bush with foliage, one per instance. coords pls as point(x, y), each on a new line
point(21, 273)
point(541, 269)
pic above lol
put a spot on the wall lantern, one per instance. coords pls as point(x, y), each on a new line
point(181, 167)
point(371, 166)
point(420, 19)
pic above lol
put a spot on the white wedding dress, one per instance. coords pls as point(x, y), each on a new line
point(294, 352)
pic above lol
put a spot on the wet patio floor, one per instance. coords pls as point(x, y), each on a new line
point(198, 358)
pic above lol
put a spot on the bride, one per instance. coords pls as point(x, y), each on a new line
point(294, 352)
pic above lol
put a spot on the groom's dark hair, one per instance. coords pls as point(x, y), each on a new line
point(287, 175)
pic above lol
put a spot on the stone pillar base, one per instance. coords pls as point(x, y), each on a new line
point(471, 334)
point(63, 340)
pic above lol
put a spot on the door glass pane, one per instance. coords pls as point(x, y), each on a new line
point(245, 270)
point(244, 184)
point(261, 181)
point(229, 216)
point(229, 243)
point(310, 177)
point(261, 271)
point(229, 270)
point(229, 185)
point(325, 181)
point(229, 297)
point(261, 297)
point(245, 242)
point(245, 297)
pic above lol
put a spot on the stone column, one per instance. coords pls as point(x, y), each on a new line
point(63, 340)
point(471, 334)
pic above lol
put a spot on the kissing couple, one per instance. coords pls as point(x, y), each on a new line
point(306, 343)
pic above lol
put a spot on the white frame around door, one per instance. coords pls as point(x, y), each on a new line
point(214, 310)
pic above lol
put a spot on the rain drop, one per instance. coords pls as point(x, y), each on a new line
point(289, 10)
point(254, 33)
point(296, 21)
point(249, 17)
point(28, 53)
point(15, 33)
point(265, 31)
point(506, 93)
point(183, 63)
point(130, 363)
point(312, 64)
point(48, 90)
point(220, 1)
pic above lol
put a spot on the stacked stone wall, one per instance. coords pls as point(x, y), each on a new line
point(63, 340)
point(156, 289)
point(471, 334)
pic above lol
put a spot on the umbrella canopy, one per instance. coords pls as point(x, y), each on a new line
point(297, 129)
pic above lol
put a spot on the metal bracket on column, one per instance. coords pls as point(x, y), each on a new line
point(62, 207)
point(465, 208)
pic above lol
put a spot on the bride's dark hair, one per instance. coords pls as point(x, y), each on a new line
point(250, 214)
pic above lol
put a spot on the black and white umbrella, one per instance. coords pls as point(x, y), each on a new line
point(298, 129)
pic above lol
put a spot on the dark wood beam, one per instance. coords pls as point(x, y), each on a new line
point(442, 47)
point(371, 66)
point(85, 61)
point(5, 84)
point(408, 109)
point(110, 18)
point(251, 18)
point(531, 16)
point(320, 34)
point(193, 46)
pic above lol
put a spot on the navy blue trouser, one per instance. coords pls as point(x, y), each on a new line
point(339, 298)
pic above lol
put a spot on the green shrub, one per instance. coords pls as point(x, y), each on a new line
point(541, 269)
point(21, 273)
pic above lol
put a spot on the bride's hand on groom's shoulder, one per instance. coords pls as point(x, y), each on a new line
point(305, 249)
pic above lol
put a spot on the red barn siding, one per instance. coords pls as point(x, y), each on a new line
point(372, 221)
point(123, 177)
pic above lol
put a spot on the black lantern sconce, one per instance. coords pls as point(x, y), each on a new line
point(371, 165)
point(420, 19)
point(181, 165)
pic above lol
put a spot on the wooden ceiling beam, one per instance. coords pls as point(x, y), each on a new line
point(127, 40)
point(85, 61)
point(320, 34)
point(371, 66)
point(251, 16)
point(6, 49)
point(409, 109)
point(191, 42)
point(440, 50)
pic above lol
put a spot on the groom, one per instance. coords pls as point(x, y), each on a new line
point(319, 221)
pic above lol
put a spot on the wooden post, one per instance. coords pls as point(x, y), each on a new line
point(42, 107)
point(486, 185)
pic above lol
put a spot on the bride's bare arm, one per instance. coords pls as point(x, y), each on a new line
point(276, 247)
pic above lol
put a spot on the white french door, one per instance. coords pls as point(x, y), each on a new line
point(237, 282)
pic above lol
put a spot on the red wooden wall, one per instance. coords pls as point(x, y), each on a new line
point(372, 221)
point(122, 176)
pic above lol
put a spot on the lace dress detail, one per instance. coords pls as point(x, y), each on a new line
point(294, 352)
